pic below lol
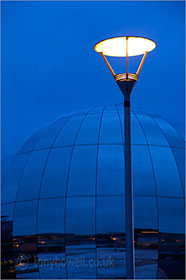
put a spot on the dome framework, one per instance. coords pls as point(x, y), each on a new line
point(63, 198)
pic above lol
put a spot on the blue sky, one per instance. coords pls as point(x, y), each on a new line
point(49, 66)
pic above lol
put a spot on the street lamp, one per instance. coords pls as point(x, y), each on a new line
point(126, 47)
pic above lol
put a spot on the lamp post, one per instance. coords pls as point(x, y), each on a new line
point(126, 47)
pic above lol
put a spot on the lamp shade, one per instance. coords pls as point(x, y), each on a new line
point(117, 46)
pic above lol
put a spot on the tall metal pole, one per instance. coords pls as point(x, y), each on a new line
point(129, 219)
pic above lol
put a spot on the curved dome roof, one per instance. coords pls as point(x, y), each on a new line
point(71, 173)
point(82, 154)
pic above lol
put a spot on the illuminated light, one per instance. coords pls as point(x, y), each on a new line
point(117, 46)
point(114, 238)
point(20, 264)
point(177, 240)
point(147, 231)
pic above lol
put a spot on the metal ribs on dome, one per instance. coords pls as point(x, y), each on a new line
point(63, 192)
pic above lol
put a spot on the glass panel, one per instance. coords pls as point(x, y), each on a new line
point(80, 227)
point(25, 253)
point(171, 256)
point(110, 214)
point(152, 132)
point(51, 243)
point(110, 129)
point(32, 140)
point(146, 244)
point(25, 218)
point(84, 215)
point(145, 212)
point(31, 180)
point(137, 134)
point(146, 269)
point(51, 133)
point(68, 134)
point(180, 128)
point(51, 216)
point(83, 171)
point(146, 237)
point(143, 179)
point(11, 181)
point(55, 174)
point(51, 261)
point(180, 160)
point(171, 215)
point(88, 133)
point(110, 237)
point(5, 164)
point(7, 250)
point(166, 173)
point(173, 137)
point(7, 213)
point(111, 170)
point(6, 230)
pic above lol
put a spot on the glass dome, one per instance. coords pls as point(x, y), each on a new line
point(63, 199)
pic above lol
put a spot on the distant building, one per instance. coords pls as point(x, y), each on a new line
point(63, 199)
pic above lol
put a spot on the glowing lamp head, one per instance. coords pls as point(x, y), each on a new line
point(117, 46)
point(125, 47)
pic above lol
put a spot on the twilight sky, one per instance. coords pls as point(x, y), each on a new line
point(49, 66)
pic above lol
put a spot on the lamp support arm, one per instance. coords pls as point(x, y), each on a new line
point(141, 64)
